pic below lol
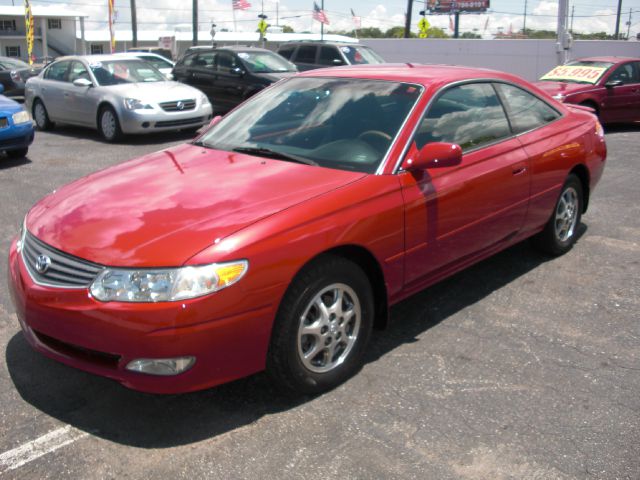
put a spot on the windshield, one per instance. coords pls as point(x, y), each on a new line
point(157, 62)
point(266, 62)
point(579, 71)
point(346, 124)
point(360, 55)
point(115, 72)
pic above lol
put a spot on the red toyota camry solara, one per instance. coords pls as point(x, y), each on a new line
point(279, 238)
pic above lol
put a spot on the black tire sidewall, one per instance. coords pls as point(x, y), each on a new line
point(305, 287)
point(46, 124)
point(117, 132)
point(548, 241)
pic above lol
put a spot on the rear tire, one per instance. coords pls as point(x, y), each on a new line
point(109, 125)
point(561, 231)
point(322, 327)
point(41, 116)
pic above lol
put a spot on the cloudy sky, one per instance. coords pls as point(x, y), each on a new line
point(169, 15)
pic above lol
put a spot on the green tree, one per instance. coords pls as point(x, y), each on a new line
point(435, 32)
point(470, 35)
point(287, 29)
point(397, 32)
point(370, 32)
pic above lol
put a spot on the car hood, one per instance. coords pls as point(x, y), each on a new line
point(8, 105)
point(163, 208)
point(565, 88)
point(154, 92)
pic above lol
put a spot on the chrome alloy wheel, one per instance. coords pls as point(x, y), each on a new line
point(329, 328)
point(566, 214)
point(40, 115)
point(108, 124)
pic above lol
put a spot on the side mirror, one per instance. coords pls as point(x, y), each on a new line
point(613, 83)
point(237, 71)
point(337, 61)
point(214, 120)
point(82, 82)
point(434, 155)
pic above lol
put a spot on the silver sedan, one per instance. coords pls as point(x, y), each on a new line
point(116, 95)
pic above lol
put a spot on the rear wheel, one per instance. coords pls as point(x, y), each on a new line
point(561, 230)
point(41, 116)
point(108, 124)
point(322, 327)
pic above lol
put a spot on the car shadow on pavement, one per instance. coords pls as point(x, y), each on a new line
point(145, 139)
point(106, 409)
point(6, 162)
point(622, 127)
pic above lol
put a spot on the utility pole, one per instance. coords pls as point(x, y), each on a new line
point(407, 19)
point(134, 24)
point(456, 25)
point(617, 34)
point(562, 45)
point(322, 24)
point(573, 9)
point(194, 25)
point(524, 23)
point(629, 25)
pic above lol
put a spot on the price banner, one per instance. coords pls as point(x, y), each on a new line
point(576, 73)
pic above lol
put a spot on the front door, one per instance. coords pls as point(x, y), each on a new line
point(453, 214)
point(622, 102)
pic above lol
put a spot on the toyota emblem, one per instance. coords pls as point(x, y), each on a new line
point(42, 263)
point(180, 105)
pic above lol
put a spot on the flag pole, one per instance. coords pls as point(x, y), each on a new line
point(322, 23)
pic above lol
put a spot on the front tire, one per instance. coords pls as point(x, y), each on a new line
point(19, 153)
point(322, 327)
point(109, 125)
point(561, 231)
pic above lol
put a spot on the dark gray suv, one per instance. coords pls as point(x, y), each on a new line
point(310, 55)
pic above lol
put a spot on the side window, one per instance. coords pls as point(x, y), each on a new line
point(203, 60)
point(306, 54)
point(526, 111)
point(57, 71)
point(286, 51)
point(78, 70)
point(625, 73)
point(226, 62)
point(330, 56)
point(470, 115)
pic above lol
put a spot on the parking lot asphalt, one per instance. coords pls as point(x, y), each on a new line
point(519, 367)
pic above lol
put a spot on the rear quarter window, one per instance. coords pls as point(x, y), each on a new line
point(306, 54)
point(526, 111)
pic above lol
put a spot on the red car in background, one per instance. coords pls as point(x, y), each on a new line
point(281, 236)
point(609, 85)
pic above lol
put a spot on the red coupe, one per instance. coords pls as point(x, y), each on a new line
point(608, 85)
point(280, 237)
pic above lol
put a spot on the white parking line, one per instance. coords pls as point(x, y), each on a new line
point(47, 443)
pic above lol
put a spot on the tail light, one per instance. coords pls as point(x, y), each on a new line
point(15, 76)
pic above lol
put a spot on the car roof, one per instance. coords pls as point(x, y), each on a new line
point(322, 42)
point(609, 59)
point(413, 73)
point(139, 54)
point(234, 48)
point(100, 58)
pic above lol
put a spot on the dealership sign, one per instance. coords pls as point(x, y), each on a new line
point(452, 6)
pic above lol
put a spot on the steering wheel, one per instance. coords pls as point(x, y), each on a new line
point(376, 138)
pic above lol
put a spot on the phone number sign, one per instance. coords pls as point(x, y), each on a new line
point(450, 6)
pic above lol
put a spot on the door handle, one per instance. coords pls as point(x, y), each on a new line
point(519, 170)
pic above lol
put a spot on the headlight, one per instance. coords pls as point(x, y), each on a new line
point(135, 104)
point(167, 284)
point(560, 97)
point(204, 99)
point(21, 117)
point(21, 234)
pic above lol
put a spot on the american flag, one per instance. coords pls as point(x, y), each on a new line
point(319, 14)
point(357, 21)
point(240, 4)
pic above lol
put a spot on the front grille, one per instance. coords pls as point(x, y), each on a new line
point(175, 106)
point(64, 271)
point(4, 122)
point(178, 123)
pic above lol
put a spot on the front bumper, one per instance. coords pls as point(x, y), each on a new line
point(227, 332)
point(15, 137)
point(157, 120)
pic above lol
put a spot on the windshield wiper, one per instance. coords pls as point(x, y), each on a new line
point(201, 143)
point(265, 152)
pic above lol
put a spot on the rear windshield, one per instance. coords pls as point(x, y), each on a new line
point(579, 71)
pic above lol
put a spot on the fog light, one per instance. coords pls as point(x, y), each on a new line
point(145, 124)
point(161, 366)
